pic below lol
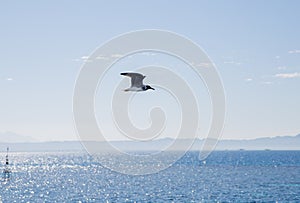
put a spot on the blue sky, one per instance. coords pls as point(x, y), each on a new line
point(254, 44)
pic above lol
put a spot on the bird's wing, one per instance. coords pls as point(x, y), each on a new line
point(136, 79)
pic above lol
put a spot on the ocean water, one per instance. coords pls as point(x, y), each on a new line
point(226, 176)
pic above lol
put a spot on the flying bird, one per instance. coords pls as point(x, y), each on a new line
point(137, 82)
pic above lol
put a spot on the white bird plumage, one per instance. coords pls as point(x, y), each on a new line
point(137, 82)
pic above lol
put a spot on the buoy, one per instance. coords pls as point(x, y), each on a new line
point(6, 171)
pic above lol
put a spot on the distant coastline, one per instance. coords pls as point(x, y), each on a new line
point(275, 143)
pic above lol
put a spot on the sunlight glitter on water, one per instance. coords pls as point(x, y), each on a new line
point(71, 177)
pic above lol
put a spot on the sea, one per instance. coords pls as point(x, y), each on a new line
point(225, 176)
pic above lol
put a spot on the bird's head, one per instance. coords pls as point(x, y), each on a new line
point(148, 87)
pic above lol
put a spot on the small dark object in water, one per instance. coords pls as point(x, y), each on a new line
point(6, 171)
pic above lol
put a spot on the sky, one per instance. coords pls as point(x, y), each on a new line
point(254, 44)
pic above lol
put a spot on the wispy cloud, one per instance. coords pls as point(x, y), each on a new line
point(9, 79)
point(233, 62)
point(296, 51)
point(148, 53)
point(116, 55)
point(267, 83)
point(248, 79)
point(86, 59)
point(202, 65)
point(102, 57)
point(288, 75)
point(83, 58)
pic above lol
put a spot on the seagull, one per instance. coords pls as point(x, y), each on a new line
point(137, 82)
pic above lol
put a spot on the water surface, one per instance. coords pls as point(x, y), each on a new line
point(226, 176)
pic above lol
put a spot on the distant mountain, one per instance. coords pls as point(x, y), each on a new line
point(11, 137)
point(275, 143)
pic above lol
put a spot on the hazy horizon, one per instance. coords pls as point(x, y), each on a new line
point(10, 137)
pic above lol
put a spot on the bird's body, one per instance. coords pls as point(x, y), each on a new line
point(137, 82)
